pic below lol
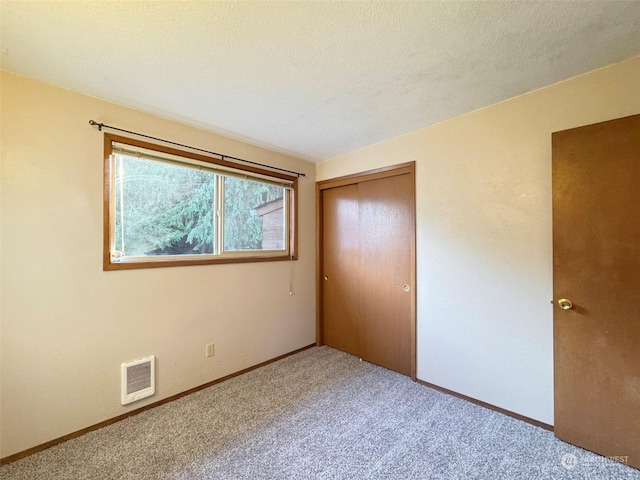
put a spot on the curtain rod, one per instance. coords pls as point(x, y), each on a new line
point(222, 157)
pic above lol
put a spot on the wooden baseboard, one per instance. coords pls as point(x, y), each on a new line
point(69, 436)
point(487, 405)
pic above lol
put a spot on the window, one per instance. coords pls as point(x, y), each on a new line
point(167, 207)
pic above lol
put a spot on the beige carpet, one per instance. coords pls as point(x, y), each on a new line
point(320, 414)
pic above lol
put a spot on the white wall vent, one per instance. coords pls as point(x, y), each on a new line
point(138, 379)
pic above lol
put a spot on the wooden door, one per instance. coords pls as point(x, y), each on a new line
point(386, 229)
point(341, 272)
point(596, 267)
point(367, 267)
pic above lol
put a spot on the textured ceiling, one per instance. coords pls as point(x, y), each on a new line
point(313, 79)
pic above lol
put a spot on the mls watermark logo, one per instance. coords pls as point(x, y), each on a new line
point(571, 461)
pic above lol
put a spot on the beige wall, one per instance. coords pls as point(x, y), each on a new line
point(67, 325)
point(484, 242)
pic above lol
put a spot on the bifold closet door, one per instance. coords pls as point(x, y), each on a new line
point(367, 275)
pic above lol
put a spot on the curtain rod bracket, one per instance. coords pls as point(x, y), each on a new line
point(96, 124)
point(100, 126)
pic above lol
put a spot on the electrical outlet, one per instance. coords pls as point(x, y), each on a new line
point(211, 349)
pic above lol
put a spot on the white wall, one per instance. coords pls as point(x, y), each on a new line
point(484, 246)
point(67, 325)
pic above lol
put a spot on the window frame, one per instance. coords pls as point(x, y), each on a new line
point(253, 173)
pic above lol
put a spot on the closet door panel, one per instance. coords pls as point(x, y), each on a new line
point(341, 269)
point(386, 239)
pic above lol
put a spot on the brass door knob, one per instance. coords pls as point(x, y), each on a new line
point(565, 304)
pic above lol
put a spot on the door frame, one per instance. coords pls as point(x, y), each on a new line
point(408, 168)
